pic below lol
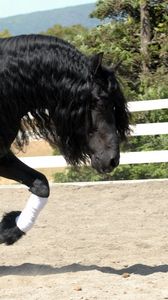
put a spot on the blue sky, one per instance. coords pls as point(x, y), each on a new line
point(16, 7)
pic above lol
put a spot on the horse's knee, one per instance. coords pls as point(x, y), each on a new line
point(40, 187)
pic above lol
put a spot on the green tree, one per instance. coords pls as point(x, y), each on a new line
point(5, 33)
point(145, 34)
point(66, 33)
point(152, 19)
point(116, 9)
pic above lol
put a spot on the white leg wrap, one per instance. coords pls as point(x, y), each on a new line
point(28, 216)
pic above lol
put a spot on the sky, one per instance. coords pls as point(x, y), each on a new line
point(16, 7)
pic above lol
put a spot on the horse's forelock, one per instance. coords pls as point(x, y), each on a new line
point(109, 95)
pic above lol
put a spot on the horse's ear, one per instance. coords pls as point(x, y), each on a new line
point(96, 61)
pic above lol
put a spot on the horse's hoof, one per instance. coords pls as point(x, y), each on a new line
point(9, 232)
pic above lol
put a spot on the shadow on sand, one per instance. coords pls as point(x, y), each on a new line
point(29, 269)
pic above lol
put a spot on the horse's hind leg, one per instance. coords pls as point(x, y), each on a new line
point(15, 224)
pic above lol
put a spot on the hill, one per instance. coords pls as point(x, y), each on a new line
point(40, 21)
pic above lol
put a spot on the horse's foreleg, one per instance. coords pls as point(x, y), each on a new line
point(15, 224)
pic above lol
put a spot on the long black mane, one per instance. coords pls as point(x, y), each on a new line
point(46, 90)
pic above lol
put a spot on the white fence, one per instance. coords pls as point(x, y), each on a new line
point(126, 158)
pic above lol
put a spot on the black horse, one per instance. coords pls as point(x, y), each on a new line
point(51, 90)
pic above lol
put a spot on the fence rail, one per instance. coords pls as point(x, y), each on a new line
point(149, 129)
point(126, 158)
point(135, 106)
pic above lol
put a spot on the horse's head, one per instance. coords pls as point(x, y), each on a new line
point(109, 118)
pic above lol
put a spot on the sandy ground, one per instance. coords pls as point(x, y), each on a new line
point(105, 242)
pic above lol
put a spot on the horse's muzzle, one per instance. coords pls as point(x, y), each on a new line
point(105, 165)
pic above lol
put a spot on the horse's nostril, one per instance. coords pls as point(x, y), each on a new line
point(114, 162)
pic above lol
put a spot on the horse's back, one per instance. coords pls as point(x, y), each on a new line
point(32, 42)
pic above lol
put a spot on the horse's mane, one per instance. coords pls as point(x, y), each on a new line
point(49, 84)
